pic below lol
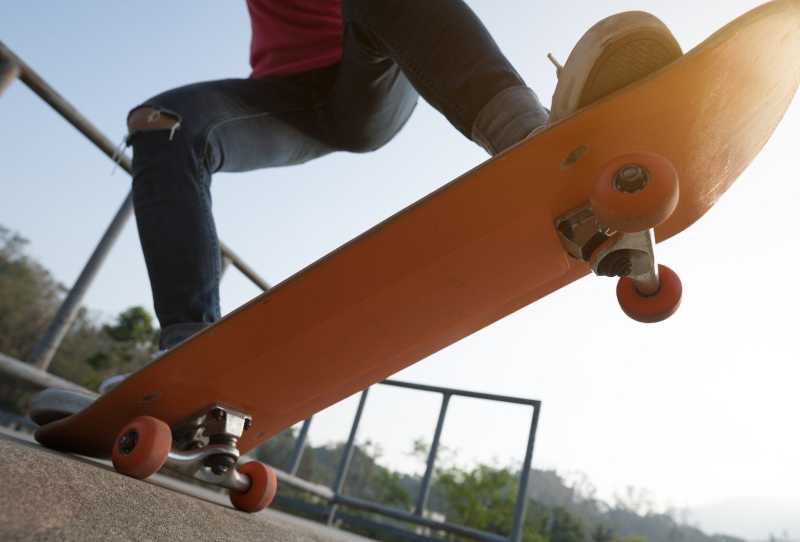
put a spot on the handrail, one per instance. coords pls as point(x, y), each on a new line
point(30, 374)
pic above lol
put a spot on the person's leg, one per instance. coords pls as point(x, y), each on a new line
point(180, 138)
point(448, 56)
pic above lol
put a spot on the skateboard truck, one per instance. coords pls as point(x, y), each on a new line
point(205, 448)
point(613, 233)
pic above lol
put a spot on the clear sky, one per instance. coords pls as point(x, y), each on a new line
point(697, 410)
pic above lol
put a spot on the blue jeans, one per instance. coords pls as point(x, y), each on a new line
point(392, 50)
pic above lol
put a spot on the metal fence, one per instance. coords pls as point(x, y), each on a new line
point(336, 496)
point(35, 371)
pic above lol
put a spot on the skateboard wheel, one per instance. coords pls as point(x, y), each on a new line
point(263, 486)
point(655, 308)
point(142, 447)
point(635, 192)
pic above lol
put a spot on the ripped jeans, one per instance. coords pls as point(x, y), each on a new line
point(392, 50)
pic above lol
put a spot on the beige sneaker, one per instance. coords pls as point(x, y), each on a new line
point(615, 52)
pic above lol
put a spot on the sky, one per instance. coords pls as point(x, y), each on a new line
point(698, 410)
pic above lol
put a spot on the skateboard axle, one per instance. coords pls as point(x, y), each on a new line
point(613, 254)
point(206, 447)
point(128, 442)
point(631, 179)
point(194, 465)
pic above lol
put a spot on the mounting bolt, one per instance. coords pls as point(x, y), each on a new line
point(128, 441)
point(220, 463)
point(616, 264)
point(631, 179)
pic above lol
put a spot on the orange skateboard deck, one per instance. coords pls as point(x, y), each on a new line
point(474, 251)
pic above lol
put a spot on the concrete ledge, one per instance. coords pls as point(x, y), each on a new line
point(46, 495)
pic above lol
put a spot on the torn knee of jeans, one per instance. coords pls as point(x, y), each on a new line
point(147, 119)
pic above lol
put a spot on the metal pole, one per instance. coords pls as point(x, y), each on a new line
point(522, 494)
point(47, 93)
point(226, 263)
point(422, 498)
point(347, 455)
point(243, 268)
point(63, 107)
point(9, 71)
point(299, 447)
point(39, 379)
point(46, 347)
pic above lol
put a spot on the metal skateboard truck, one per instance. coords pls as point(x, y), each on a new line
point(613, 232)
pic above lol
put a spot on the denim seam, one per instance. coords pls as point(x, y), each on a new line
point(210, 130)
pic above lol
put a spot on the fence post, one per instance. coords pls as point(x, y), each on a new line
point(347, 455)
point(46, 347)
point(299, 447)
point(522, 494)
point(422, 498)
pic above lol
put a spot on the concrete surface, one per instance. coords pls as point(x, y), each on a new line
point(46, 495)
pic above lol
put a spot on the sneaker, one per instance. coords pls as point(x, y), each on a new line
point(111, 382)
point(53, 404)
point(614, 53)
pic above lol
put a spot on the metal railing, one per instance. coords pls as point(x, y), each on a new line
point(335, 494)
point(35, 372)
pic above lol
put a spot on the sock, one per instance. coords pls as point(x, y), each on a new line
point(508, 118)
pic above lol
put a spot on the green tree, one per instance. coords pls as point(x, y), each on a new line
point(564, 527)
point(601, 533)
point(133, 326)
point(28, 297)
point(484, 498)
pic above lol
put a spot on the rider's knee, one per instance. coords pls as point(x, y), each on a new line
point(146, 118)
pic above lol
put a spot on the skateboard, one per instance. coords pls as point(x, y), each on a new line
point(593, 193)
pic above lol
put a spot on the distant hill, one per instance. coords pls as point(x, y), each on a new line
point(756, 519)
point(550, 489)
point(549, 494)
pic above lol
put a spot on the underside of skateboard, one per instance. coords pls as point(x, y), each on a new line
point(614, 233)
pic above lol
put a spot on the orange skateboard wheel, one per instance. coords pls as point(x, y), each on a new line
point(635, 192)
point(263, 486)
point(142, 447)
point(654, 308)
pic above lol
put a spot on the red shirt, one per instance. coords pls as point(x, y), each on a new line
point(294, 36)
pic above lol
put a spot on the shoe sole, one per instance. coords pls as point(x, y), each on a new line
point(54, 404)
point(614, 53)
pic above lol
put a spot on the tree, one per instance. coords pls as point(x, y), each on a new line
point(601, 533)
point(29, 298)
point(134, 326)
point(564, 527)
point(484, 498)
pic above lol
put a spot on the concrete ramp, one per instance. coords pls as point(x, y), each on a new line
point(46, 495)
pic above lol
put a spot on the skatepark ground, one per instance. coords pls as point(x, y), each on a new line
point(47, 495)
